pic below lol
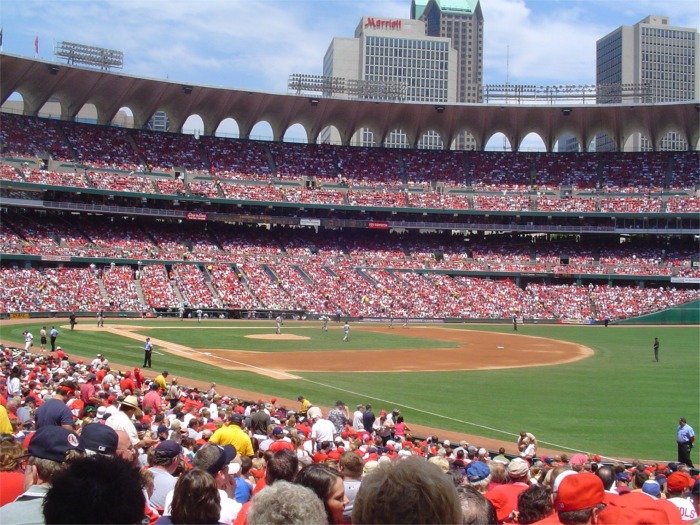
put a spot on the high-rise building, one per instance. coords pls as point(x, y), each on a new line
point(655, 53)
point(463, 23)
point(393, 59)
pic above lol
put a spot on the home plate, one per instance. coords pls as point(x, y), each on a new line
point(500, 347)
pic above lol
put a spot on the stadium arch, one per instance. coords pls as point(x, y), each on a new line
point(227, 128)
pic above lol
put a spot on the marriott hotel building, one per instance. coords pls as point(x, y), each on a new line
point(395, 60)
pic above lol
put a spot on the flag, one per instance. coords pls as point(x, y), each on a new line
point(36, 45)
point(0, 36)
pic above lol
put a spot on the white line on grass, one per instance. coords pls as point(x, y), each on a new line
point(442, 416)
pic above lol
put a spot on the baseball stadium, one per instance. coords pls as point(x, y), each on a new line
point(485, 293)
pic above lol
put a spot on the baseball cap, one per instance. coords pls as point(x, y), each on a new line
point(99, 438)
point(579, 492)
point(168, 448)
point(226, 454)
point(518, 467)
point(277, 431)
point(53, 442)
point(679, 481)
point(91, 377)
point(651, 487)
point(624, 476)
point(578, 459)
point(161, 428)
point(238, 417)
point(477, 471)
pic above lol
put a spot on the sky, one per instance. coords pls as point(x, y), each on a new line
point(257, 44)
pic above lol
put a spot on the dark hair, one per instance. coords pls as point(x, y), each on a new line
point(282, 465)
point(319, 478)
point(407, 491)
point(534, 504)
point(95, 489)
point(606, 475)
point(195, 498)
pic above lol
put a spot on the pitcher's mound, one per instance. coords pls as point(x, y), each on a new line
point(279, 337)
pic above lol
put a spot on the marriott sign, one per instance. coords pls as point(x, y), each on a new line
point(376, 23)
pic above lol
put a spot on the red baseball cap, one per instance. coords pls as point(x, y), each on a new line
point(679, 481)
point(579, 492)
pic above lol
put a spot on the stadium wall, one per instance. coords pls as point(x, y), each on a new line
point(688, 313)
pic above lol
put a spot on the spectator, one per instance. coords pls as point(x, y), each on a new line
point(327, 484)
point(408, 491)
point(534, 504)
point(233, 434)
point(287, 503)
point(54, 411)
point(164, 463)
point(215, 460)
point(350, 466)
point(195, 500)
point(96, 489)
point(96, 438)
point(476, 509)
point(11, 469)
point(51, 448)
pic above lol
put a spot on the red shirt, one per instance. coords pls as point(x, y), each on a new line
point(152, 399)
point(127, 384)
point(11, 486)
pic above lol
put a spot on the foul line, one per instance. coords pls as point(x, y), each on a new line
point(442, 416)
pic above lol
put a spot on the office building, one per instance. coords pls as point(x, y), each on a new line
point(655, 53)
point(463, 23)
point(393, 59)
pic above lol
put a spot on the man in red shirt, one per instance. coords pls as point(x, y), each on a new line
point(126, 383)
point(505, 497)
point(88, 394)
point(153, 400)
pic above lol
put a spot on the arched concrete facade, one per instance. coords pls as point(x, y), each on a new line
point(37, 81)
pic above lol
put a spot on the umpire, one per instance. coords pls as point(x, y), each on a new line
point(685, 436)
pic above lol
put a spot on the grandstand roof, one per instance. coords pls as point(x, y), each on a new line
point(38, 81)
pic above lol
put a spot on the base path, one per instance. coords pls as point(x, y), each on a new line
point(475, 350)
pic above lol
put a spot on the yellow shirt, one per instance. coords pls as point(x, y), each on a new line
point(233, 435)
point(305, 404)
point(160, 381)
point(5, 425)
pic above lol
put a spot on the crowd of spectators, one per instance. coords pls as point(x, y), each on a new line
point(120, 288)
point(165, 151)
point(424, 167)
point(237, 159)
point(83, 442)
point(281, 269)
point(24, 136)
point(189, 279)
point(293, 161)
point(157, 288)
point(102, 147)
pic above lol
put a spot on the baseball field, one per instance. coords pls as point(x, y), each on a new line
point(577, 388)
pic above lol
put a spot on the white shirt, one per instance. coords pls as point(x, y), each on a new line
point(323, 430)
point(357, 420)
point(120, 421)
point(686, 507)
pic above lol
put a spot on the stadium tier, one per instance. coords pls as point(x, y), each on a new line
point(145, 222)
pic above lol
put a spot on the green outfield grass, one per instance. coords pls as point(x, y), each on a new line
point(618, 403)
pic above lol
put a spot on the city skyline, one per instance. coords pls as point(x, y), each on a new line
point(257, 45)
point(526, 41)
